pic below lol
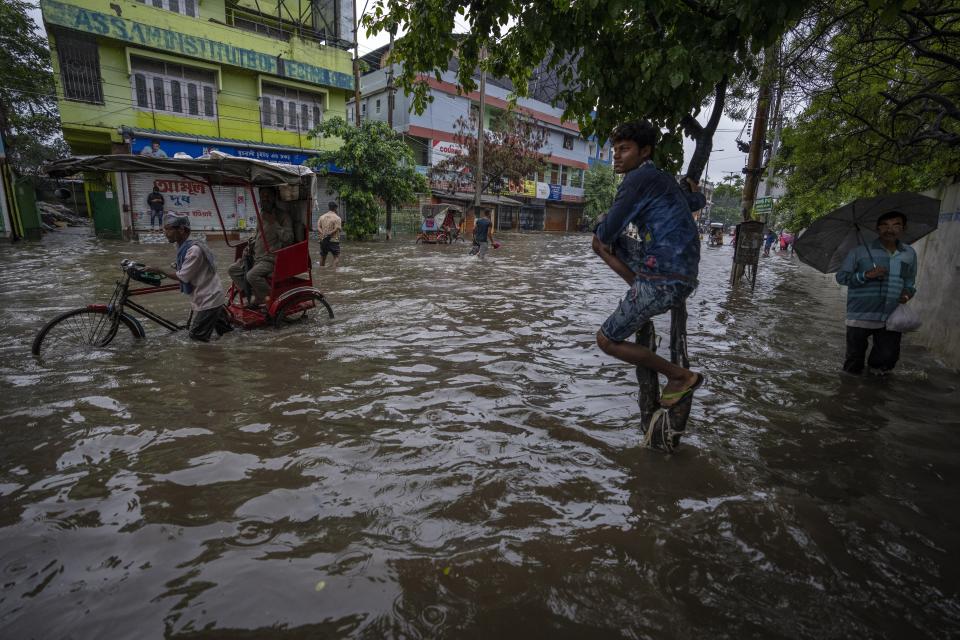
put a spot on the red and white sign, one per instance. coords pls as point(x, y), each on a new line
point(443, 150)
point(192, 200)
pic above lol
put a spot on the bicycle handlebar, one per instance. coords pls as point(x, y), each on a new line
point(136, 271)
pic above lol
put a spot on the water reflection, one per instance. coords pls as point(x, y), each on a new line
point(452, 456)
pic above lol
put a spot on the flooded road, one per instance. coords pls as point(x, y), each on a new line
point(452, 457)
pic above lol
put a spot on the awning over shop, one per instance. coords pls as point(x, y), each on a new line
point(466, 196)
point(217, 168)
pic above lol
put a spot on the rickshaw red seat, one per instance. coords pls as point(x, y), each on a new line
point(291, 263)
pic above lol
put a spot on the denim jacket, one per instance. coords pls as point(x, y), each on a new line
point(667, 234)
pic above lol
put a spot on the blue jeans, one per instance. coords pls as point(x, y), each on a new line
point(644, 300)
point(156, 214)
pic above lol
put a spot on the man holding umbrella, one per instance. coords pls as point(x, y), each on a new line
point(879, 276)
point(866, 242)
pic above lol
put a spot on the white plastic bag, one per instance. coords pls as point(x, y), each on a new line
point(903, 319)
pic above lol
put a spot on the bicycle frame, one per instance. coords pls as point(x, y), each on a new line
point(121, 298)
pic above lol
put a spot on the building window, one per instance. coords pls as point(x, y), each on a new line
point(193, 100)
point(292, 109)
point(576, 178)
point(378, 105)
point(79, 68)
point(556, 174)
point(176, 96)
point(159, 86)
point(183, 7)
point(568, 142)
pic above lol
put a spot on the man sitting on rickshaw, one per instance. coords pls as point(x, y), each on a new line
point(251, 271)
point(716, 235)
point(450, 226)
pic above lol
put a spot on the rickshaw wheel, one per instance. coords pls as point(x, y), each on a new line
point(293, 310)
point(86, 327)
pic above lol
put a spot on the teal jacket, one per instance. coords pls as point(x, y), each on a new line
point(875, 300)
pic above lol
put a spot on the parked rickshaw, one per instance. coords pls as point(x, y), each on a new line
point(715, 235)
point(441, 224)
point(292, 294)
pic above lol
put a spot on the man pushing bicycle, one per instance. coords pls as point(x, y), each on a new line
point(196, 272)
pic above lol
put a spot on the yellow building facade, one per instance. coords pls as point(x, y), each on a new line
point(247, 77)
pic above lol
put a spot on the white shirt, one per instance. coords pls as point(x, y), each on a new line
point(207, 290)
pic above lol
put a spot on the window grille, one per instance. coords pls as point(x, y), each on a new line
point(158, 101)
point(208, 101)
point(183, 7)
point(193, 99)
point(79, 68)
point(141, 86)
point(176, 97)
point(265, 111)
point(295, 110)
point(159, 86)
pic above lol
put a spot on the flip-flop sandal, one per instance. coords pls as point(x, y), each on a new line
point(679, 396)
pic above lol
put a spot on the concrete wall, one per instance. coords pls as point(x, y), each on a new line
point(938, 281)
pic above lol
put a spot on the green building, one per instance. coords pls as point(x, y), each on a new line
point(246, 77)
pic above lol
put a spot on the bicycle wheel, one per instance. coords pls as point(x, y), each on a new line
point(296, 308)
point(81, 330)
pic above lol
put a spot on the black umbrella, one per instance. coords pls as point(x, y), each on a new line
point(829, 239)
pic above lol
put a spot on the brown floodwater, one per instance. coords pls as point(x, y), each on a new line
point(453, 457)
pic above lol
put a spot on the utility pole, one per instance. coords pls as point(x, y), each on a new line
point(754, 160)
point(753, 169)
point(390, 124)
point(777, 127)
point(480, 135)
point(356, 67)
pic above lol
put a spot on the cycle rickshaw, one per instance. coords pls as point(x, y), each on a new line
point(440, 224)
point(715, 235)
point(292, 294)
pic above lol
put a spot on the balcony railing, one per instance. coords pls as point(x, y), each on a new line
point(279, 29)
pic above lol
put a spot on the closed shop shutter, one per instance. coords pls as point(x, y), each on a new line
point(531, 218)
point(556, 219)
point(192, 200)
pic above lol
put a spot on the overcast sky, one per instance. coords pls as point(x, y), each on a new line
point(724, 159)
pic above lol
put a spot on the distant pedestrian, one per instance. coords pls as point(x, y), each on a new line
point(329, 226)
point(482, 234)
point(879, 276)
point(768, 242)
point(155, 201)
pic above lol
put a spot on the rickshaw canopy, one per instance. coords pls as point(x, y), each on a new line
point(440, 210)
point(219, 168)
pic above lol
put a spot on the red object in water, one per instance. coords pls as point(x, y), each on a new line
point(496, 245)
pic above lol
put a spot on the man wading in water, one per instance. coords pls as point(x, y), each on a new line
point(196, 272)
point(667, 265)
